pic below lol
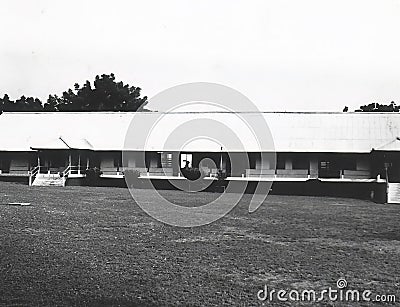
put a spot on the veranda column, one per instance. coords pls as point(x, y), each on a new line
point(313, 167)
point(79, 163)
point(175, 164)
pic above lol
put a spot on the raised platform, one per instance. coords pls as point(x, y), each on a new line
point(14, 174)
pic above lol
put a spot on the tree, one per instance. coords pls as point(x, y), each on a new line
point(106, 95)
point(28, 104)
point(5, 103)
point(21, 104)
point(376, 107)
point(52, 101)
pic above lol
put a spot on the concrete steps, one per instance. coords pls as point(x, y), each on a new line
point(393, 193)
point(49, 180)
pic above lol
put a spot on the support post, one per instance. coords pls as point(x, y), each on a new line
point(79, 163)
point(220, 162)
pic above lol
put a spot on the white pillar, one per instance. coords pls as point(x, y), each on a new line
point(288, 164)
point(313, 168)
point(38, 163)
point(79, 163)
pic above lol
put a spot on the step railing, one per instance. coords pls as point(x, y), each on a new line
point(51, 174)
point(67, 171)
point(33, 173)
point(72, 169)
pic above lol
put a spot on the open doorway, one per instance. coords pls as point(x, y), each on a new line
point(186, 160)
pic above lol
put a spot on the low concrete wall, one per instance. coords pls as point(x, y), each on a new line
point(361, 190)
point(75, 182)
point(20, 179)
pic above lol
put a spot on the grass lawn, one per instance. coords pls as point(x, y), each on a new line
point(95, 246)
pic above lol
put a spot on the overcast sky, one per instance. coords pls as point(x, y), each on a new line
point(287, 55)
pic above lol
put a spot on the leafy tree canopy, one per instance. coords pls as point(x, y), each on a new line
point(104, 95)
point(20, 105)
point(376, 107)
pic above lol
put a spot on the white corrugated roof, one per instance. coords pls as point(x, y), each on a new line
point(394, 145)
point(60, 143)
point(292, 132)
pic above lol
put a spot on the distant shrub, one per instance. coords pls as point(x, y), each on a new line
point(132, 173)
point(191, 173)
point(221, 174)
point(93, 176)
point(132, 177)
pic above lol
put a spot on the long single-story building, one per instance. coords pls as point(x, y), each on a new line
point(327, 153)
